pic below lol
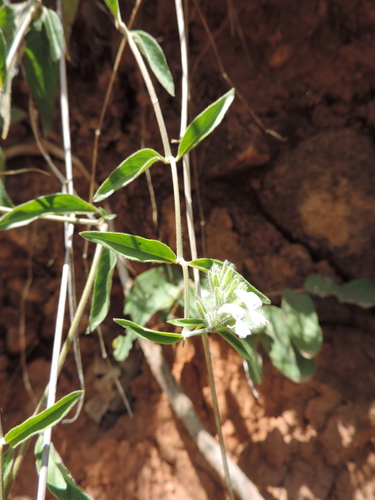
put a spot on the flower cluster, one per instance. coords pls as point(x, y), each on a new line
point(232, 307)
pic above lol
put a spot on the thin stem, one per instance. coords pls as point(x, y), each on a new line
point(215, 404)
point(192, 240)
point(66, 277)
point(106, 101)
point(163, 133)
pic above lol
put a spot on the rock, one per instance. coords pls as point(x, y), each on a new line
point(322, 195)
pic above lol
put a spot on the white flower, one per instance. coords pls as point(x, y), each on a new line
point(234, 310)
point(238, 313)
point(251, 301)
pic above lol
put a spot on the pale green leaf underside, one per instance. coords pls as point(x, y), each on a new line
point(44, 205)
point(155, 57)
point(284, 356)
point(240, 345)
point(59, 480)
point(205, 123)
point(122, 345)
point(54, 31)
point(358, 292)
point(187, 322)
point(154, 290)
point(153, 335)
point(303, 323)
point(133, 247)
point(102, 289)
point(42, 421)
point(126, 172)
point(41, 72)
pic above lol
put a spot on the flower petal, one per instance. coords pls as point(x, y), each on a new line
point(242, 329)
point(250, 299)
point(234, 310)
point(258, 319)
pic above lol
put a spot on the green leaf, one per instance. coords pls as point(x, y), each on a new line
point(43, 420)
point(241, 346)
point(206, 264)
point(255, 366)
point(10, 18)
point(69, 10)
point(154, 290)
point(59, 480)
point(122, 345)
point(17, 114)
point(133, 247)
point(205, 123)
point(358, 292)
point(153, 335)
point(187, 322)
point(126, 172)
point(303, 323)
point(113, 6)
point(283, 354)
point(8, 460)
point(55, 34)
point(3, 66)
point(5, 201)
point(155, 57)
point(321, 285)
point(102, 289)
point(44, 205)
point(41, 73)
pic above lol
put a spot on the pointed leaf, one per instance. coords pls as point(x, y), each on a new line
point(102, 289)
point(155, 57)
point(187, 322)
point(126, 172)
point(122, 345)
point(54, 32)
point(154, 290)
point(358, 292)
point(3, 66)
point(240, 345)
point(283, 354)
point(8, 460)
point(5, 102)
point(114, 8)
point(303, 323)
point(5, 201)
point(206, 264)
point(133, 247)
point(69, 9)
point(321, 285)
point(154, 335)
point(43, 420)
point(254, 368)
point(41, 74)
point(205, 123)
point(59, 480)
point(44, 205)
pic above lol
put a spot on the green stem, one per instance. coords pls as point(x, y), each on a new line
point(163, 133)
